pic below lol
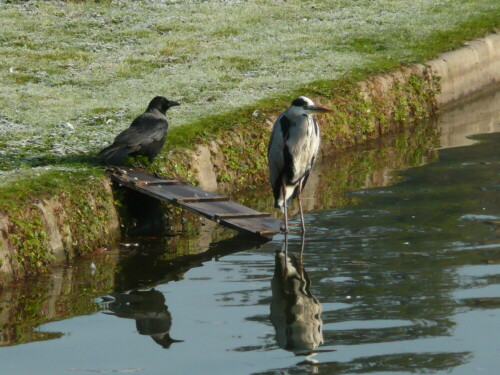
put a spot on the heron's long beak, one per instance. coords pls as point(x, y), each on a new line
point(317, 109)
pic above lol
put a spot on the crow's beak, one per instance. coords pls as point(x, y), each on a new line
point(171, 103)
point(317, 109)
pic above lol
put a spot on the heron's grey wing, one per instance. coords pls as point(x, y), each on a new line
point(303, 145)
point(275, 150)
point(275, 153)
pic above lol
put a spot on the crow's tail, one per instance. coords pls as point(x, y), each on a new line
point(114, 154)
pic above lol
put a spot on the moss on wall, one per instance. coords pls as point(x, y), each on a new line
point(62, 215)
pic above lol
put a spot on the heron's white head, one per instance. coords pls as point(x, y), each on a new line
point(305, 106)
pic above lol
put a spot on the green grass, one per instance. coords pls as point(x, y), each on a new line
point(15, 194)
point(74, 74)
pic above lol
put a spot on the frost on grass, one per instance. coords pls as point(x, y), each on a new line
point(74, 74)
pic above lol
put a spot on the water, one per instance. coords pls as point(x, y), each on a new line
point(399, 279)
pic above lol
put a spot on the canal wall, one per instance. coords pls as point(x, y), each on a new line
point(56, 227)
point(40, 232)
point(469, 70)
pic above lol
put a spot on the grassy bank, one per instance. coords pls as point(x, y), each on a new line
point(75, 73)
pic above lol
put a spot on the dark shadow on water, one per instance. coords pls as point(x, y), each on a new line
point(153, 266)
point(141, 215)
point(148, 308)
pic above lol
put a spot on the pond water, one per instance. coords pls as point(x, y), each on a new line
point(399, 279)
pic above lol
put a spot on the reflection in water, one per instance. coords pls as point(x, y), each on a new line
point(150, 312)
point(156, 266)
point(59, 294)
point(467, 118)
point(295, 312)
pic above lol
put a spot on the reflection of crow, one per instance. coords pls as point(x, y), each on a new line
point(148, 308)
point(145, 136)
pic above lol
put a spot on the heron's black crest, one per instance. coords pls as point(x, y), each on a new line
point(299, 102)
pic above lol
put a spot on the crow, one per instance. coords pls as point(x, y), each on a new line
point(145, 136)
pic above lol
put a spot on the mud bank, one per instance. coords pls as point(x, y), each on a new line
point(42, 231)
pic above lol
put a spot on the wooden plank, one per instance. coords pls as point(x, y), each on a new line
point(223, 207)
point(197, 200)
point(266, 226)
point(191, 198)
point(241, 216)
point(161, 182)
point(268, 232)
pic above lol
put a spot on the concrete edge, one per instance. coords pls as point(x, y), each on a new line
point(467, 70)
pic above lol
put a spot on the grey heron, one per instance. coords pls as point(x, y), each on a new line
point(292, 151)
point(145, 136)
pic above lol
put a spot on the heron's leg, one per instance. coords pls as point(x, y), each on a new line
point(299, 195)
point(303, 241)
point(285, 270)
point(284, 207)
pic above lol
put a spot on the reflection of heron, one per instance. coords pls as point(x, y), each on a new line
point(148, 308)
point(295, 312)
point(292, 151)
